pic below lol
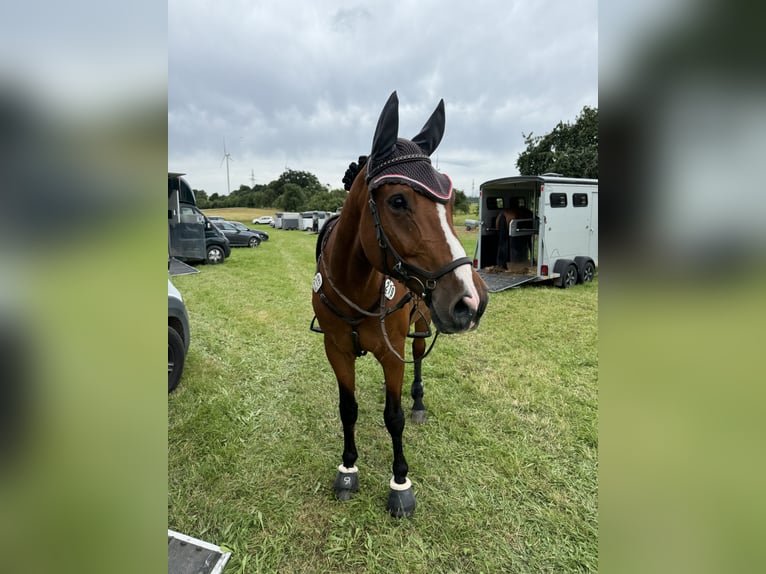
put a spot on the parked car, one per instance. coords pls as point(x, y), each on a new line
point(237, 237)
point(178, 336)
point(215, 217)
point(242, 227)
point(264, 219)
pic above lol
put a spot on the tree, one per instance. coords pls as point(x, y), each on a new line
point(265, 198)
point(303, 179)
point(200, 195)
point(569, 149)
point(326, 201)
point(293, 198)
point(292, 191)
point(241, 192)
point(461, 201)
point(337, 199)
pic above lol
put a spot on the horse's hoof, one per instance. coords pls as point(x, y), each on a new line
point(418, 417)
point(401, 499)
point(344, 495)
point(346, 482)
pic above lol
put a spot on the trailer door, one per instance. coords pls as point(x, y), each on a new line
point(186, 231)
point(593, 246)
point(567, 222)
point(187, 236)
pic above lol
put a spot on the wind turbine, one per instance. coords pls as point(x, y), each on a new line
point(227, 157)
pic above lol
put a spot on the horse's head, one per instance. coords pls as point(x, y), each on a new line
point(410, 218)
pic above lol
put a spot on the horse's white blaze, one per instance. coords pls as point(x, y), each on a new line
point(456, 249)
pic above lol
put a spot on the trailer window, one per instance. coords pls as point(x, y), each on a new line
point(494, 203)
point(558, 199)
point(519, 201)
point(579, 200)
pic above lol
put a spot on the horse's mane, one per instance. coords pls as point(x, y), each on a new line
point(353, 170)
point(348, 179)
point(323, 232)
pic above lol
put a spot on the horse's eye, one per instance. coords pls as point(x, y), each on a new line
point(398, 201)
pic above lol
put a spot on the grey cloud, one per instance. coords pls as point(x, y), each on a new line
point(297, 81)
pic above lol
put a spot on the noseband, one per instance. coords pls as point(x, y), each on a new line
point(407, 271)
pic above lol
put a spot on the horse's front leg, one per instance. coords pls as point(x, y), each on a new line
point(417, 390)
point(401, 499)
point(418, 350)
point(347, 479)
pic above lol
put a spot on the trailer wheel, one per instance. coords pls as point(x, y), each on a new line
point(587, 272)
point(570, 276)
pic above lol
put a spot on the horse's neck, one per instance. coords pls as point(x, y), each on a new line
point(348, 264)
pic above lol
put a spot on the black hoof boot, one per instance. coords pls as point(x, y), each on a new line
point(401, 499)
point(346, 482)
point(418, 417)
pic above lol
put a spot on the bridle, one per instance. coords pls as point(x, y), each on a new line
point(402, 270)
point(405, 271)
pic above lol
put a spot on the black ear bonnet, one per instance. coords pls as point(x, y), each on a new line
point(398, 160)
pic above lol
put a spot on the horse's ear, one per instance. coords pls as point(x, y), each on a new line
point(384, 140)
point(431, 134)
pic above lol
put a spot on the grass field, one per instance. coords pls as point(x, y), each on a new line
point(504, 470)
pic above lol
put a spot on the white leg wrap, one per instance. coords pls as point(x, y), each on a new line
point(345, 470)
point(396, 486)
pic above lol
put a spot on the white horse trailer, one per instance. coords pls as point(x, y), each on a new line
point(320, 219)
point(306, 220)
point(559, 242)
point(290, 220)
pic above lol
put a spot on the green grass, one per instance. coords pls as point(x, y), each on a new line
point(504, 469)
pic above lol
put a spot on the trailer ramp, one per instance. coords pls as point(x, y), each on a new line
point(177, 267)
point(501, 281)
point(187, 555)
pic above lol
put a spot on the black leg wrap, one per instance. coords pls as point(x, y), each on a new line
point(346, 484)
point(401, 503)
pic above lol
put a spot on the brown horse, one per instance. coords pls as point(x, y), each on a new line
point(512, 249)
point(391, 259)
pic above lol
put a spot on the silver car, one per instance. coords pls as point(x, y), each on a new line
point(178, 336)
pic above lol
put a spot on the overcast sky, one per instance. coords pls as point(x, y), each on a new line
point(300, 84)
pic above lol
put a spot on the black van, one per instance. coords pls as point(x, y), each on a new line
point(217, 245)
point(191, 235)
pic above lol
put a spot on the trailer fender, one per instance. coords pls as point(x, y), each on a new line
point(567, 270)
point(585, 269)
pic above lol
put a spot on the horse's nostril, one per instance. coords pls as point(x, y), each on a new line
point(463, 312)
